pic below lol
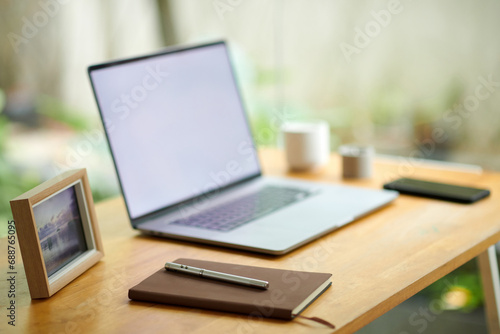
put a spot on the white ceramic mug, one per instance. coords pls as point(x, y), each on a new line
point(307, 144)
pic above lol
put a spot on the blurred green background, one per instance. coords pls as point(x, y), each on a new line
point(389, 75)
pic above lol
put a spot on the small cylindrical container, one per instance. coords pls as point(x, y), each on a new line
point(357, 161)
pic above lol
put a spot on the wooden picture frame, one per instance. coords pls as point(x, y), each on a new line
point(57, 231)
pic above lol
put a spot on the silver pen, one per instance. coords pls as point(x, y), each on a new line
point(215, 275)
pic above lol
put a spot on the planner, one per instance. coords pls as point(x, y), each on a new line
point(289, 292)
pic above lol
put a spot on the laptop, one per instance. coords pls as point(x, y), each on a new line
point(187, 163)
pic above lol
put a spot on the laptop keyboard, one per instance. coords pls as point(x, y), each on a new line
point(231, 215)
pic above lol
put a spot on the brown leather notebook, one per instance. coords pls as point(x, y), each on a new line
point(289, 292)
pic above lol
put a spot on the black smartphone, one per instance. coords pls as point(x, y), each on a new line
point(443, 191)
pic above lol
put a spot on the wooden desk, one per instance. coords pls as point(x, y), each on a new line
point(376, 262)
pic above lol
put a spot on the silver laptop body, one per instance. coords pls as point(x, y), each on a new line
point(184, 154)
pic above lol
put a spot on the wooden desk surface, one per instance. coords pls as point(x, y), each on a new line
point(377, 262)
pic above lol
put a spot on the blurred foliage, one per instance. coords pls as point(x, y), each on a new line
point(16, 180)
point(53, 108)
point(2, 100)
point(266, 121)
point(13, 183)
point(103, 194)
point(465, 280)
point(388, 106)
point(262, 130)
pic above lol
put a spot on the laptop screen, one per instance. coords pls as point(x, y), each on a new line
point(175, 124)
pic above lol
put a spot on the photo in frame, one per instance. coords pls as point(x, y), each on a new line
point(57, 230)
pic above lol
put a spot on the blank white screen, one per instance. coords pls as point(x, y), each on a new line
point(176, 126)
